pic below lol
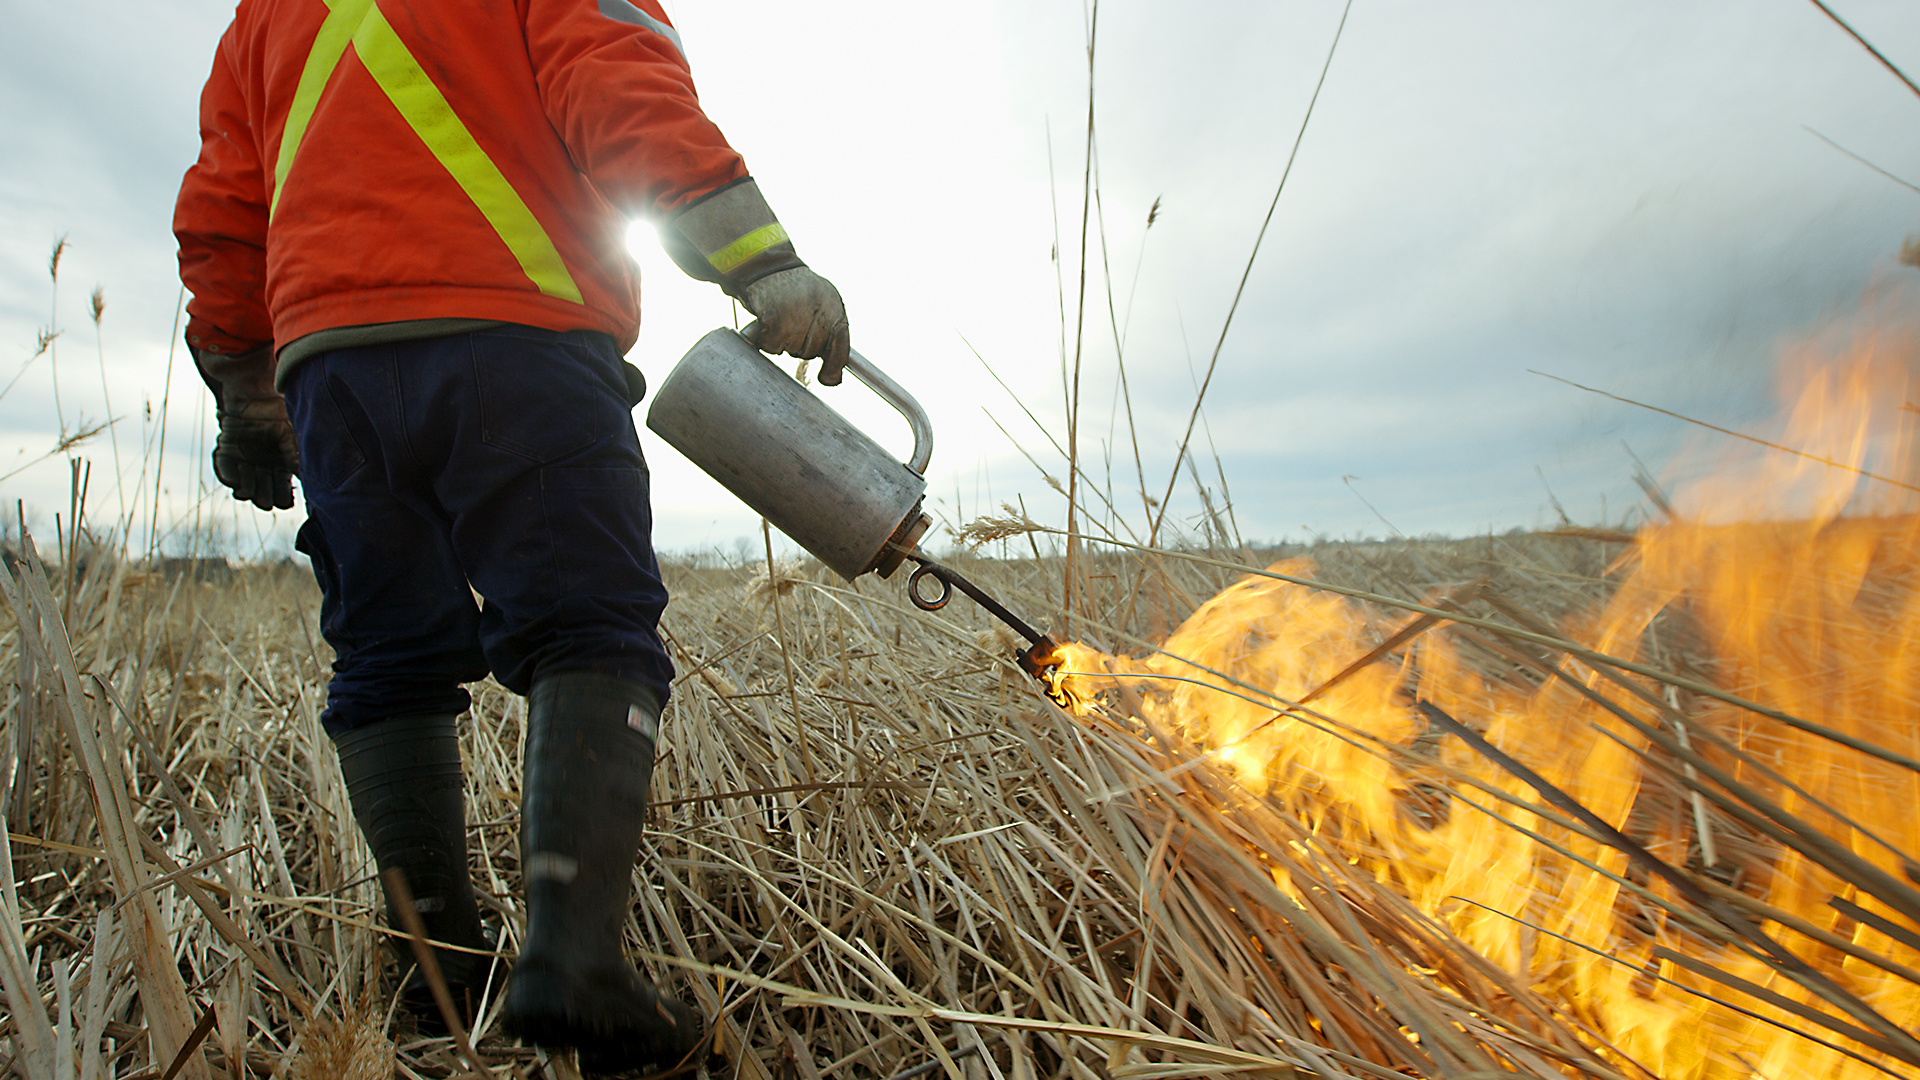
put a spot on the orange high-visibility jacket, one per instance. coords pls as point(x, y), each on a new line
point(370, 161)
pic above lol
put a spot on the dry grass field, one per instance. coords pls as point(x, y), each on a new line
point(877, 850)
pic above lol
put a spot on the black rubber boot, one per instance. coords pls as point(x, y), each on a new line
point(403, 776)
point(584, 799)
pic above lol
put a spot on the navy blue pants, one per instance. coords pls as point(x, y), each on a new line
point(501, 462)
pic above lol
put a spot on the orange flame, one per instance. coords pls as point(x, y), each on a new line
point(1790, 582)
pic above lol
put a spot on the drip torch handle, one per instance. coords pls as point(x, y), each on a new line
point(895, 395)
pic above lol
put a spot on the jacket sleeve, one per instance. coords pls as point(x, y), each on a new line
point(618, 90)
point(220, 221)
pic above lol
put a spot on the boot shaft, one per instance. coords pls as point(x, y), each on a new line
point(589, 761)
point(405, 783)
point(590, 742)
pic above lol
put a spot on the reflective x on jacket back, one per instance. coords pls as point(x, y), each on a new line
point(370, 161)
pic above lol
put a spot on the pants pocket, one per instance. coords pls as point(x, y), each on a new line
point(325, 418)
point(536, 397)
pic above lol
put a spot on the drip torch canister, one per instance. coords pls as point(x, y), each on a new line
point(813, 475)
point(794, 460)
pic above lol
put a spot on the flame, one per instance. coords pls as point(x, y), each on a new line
point(1790, 582)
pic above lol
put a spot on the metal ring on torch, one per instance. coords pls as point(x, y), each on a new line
point(932, 570)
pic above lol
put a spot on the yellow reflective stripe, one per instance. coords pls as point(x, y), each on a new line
point(325, 55)
point(427, 112)
point(729, 258)
point(425, 109)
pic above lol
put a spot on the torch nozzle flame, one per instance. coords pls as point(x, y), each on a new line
point(1042, 660)
point(1040, 657)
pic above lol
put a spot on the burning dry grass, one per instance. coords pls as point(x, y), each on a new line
point(1650, 855)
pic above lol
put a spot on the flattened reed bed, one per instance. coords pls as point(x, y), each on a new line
point(874, 847)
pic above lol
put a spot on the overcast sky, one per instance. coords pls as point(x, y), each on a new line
point(1622, 193)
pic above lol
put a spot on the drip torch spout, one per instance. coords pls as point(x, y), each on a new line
point(1040, 659)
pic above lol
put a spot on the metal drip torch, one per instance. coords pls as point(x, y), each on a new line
point(817, 478)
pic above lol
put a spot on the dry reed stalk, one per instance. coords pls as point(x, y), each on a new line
point(1071, 377)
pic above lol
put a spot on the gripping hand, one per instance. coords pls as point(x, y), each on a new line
point(800, 314)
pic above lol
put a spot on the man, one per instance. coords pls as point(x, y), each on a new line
point(408, 217)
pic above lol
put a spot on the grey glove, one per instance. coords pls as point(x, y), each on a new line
point(730, 236)
point(255, 455)
point(800, 314)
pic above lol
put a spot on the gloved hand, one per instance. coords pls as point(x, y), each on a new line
point(255, 455)
point(730, 236)
point(799, 313)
